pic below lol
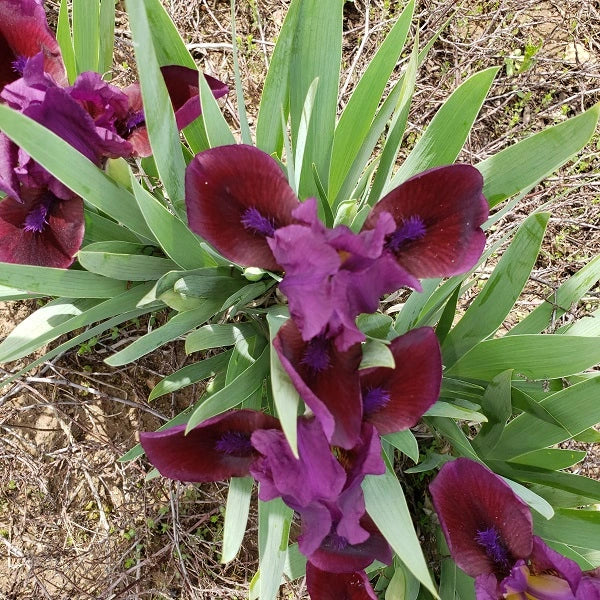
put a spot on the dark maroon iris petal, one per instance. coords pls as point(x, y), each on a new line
point(438, 215)
point(213, 451)
point(332, 393)
point(323, 585)
point(222, 184)
point(24, 33)
point(395, 399)
point(471, 500)
point(41, 229)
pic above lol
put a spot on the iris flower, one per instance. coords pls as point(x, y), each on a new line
point(490, 536)
point(215, 450)
point(338, 586)
point(24, 32)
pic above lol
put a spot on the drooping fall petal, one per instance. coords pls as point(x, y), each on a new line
point(395, 399)
point(326, 379)
point(215, 450)
point(487, 526)
point(322, 585)
point(438, 214)
point(24, 32)
point(41, 230)
point(236, 197)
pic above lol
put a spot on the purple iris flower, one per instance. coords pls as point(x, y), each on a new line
point(490, 536)
point(24, 32)
point(236, 198)
point(395, 399)
point(333, 275)
point(215, 450)
point(182, 86)
point(437, 217)
point(323, 486)
point(323, 585)
point(327, 380)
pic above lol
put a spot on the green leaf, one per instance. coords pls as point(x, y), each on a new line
point(215, 125)
point(158, 111)
point(534, 356)
point(174, 236)
point(11, 293)
point(403, 586)
point(107, 37)
point(190, 374)
point(285, 395)
point(571, 526)
point(275, 94)
point(233, 393)
point(453, 411)
point(536, 502)
point(316, 53)
point(552, 459)
point(176, 326)
point(274, 521)
point(575, 408)
point(300, 146)
point(59, 282)
point(454, 434)
point(376, 325)
point(387, 507)
point(124, 261)
point(561, 301)
point(376, 354)
point(73, 169)
point(216, 336)
point(493, 303)
point(430, 463)
point(65, 41)
point(445, 135)
point(587, 326)
point(497, 407)
point(527, 162)
point(86, 40)
point(101, 229)
point(357, 117)
point(406, 442)
point(236, 516)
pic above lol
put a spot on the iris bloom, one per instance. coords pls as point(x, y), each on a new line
point(215, 450)
point(24, 32)
point(490, 536)
point(324, 488)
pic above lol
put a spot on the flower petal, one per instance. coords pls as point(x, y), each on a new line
point(411, 388)
point(323, 585)
point(60, 237)
point(470, 500)
point(222, 184)
point(544, 559)
point(24, 32)
point(331, 389)
point(215, 450)
point(183, 87)
point(438, 214)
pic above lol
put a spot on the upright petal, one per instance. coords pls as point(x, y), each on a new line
point(24, 32)
point(215, 450)
point(326, 379)
point(546, 560)
point(487, 526)
point(41, 230)
point(438, 214)
point(395, 399)
point(323, 585)
point(236, 197)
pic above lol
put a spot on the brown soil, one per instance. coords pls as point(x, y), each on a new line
point(77, 524)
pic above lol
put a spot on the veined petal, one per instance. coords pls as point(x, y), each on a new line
point(326, 379)
point(24, 32)
point(323, 585)
point(546, 560)
point(522, 583)
point(215, 450)
point(487, 526)
point(395, 399)
point(438, 214)
point(41, 230)
point(223, 187)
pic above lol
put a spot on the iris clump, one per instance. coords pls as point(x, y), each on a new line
point(239, 200)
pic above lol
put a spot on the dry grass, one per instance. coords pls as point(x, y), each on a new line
point(76, 524)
